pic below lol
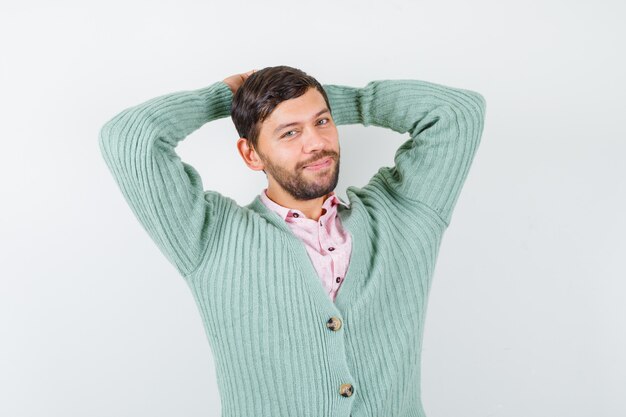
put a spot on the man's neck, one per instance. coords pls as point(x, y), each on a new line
point(312, 209)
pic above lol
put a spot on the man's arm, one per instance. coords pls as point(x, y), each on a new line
point(445, 126)
point(165, 193)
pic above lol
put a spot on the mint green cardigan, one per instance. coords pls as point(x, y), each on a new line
point(281, 347)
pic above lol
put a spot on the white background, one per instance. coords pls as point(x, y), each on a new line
point(526, 316)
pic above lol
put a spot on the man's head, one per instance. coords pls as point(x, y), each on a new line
point(284, 121)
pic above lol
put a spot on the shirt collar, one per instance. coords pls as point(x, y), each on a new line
point(329, 204)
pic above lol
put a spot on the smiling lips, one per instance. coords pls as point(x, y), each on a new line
point(320, 163)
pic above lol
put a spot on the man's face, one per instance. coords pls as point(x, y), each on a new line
point(298, 133)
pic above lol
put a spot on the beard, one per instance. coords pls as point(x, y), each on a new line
point(303, 184)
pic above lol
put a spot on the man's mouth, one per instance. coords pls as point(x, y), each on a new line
point(320, 163)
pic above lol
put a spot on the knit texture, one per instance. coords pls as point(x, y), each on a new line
point(264, 310)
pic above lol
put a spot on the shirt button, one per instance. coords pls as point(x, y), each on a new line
point(338, 279)
point(333, 323)
point(331, 249)
point(346, 390)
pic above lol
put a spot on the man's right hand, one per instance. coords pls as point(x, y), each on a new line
point(235, 81)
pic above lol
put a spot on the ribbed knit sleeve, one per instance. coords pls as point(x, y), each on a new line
point(165, 194)
point(445, 126)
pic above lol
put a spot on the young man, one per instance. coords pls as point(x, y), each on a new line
point(312, 306)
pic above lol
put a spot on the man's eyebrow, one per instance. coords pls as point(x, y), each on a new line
point(284, 125)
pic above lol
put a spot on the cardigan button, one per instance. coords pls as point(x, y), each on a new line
point(333, 323)
point(346, 390)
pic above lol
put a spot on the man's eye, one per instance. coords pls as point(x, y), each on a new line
point(288, 134)
point(325, 121)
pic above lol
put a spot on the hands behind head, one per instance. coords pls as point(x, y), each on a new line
point(235, 81)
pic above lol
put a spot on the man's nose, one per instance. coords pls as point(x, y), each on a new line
point(314, 139)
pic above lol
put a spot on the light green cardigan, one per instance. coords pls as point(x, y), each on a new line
point(281, 346)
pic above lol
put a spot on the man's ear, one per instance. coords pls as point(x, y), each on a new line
point(249, 155)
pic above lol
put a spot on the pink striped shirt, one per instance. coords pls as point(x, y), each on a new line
point(329, 245)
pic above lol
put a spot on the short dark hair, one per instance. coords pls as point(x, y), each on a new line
point(262, 91)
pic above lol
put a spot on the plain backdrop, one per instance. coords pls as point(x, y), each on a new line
point(526, 314)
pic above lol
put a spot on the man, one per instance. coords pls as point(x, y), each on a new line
point(287, 340)
point(293, 136)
